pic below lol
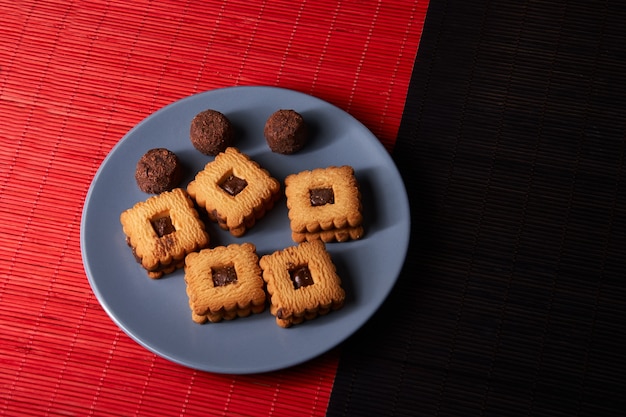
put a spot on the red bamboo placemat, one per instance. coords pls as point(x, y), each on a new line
point(74, 78)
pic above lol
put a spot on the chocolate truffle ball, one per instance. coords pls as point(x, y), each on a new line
point(158, 170)
point(286, 132)
point(211, 132)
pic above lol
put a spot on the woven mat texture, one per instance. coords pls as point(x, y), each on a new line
point(75, 76)
point(513, 298)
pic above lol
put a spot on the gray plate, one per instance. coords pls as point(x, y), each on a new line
point(155, 313)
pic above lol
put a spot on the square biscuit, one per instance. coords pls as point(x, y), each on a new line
point(324, 199)
point(162, 230)
point(224, 283)
point(234, 190)
point(302, 283)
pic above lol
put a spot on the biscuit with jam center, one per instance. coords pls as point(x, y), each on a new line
point(302, 283)
point(224, 283)
point(162, 230)
point(235, 191)
point(324, 203)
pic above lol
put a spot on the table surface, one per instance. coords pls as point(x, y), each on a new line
point(505, 119)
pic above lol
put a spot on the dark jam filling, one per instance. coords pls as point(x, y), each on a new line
point(321, 196)
point(233, 185)
point(163, 226)
point(301, 276)
point(223, 275)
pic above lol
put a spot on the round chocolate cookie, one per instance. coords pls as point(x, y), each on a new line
point(158, 170)
point(286, 132)
point(211, 132)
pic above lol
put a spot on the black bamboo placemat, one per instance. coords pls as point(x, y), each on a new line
point(512, 146)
